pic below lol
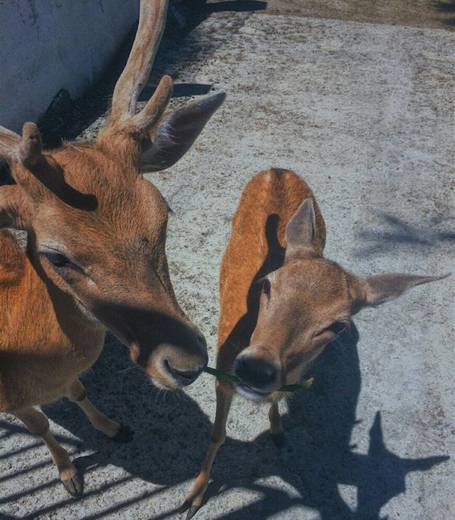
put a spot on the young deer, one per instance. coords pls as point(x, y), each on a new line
point(95, 258)
point(281, 302)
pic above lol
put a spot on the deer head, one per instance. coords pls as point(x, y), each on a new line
point(97, 227)
point(304, 305)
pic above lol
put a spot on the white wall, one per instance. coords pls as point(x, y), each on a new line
point(46, 45)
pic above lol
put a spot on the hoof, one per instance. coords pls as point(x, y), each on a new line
point(186, 505)
point(192, 511)
point(74, 485)
point(279, 439)
point(125, 434)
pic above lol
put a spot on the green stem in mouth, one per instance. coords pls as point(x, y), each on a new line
point(224, 376)
point(299, 386)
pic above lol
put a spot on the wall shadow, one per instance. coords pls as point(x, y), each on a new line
point(237, 5)
point(180, 90)
point(67, 118)
point(446, 7)
point(187, 15)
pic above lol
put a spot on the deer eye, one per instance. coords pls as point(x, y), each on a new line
point(333, 331)
point(338, 327)
point(57, 259)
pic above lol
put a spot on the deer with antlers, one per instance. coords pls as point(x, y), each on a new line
point(281, 301)
point(95, 256)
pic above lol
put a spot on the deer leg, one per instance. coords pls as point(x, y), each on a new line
point(276, 425)
point(37, 424)
point(224, 395)
point(117, 432)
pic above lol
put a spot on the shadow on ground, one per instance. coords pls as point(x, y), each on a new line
point(172, 434)
point(66, 118)
point(393, 232)
point(447, 7)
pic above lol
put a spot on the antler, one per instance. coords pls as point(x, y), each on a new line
point(30, 146)
point(152, 21)
point(25, 149)
point(159, 140)
point(9, 142)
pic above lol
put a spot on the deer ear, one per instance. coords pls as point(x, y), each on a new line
point(175, 134)
point(301, 229)
point(14, 210)
point(374, 290)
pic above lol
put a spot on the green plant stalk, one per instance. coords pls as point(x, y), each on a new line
point(230, 378)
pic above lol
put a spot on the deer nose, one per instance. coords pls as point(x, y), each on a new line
point(200, 338)
point(256, 372)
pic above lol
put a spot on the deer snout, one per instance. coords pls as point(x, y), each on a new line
point(186, 367)
point(173, 352)
point(175, 365)
point(257, 373)
point(183, 376)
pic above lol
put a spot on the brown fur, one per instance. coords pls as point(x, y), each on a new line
point(95, 258)
point(51, 350)
point(287, 319)
point(255, 251)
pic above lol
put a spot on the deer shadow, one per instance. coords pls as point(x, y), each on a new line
point(318, 456)
point(172, 434)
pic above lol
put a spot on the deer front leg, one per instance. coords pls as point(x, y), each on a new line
point(276, 425)
point(37, 424)
point(224, 395)
point(112, 429)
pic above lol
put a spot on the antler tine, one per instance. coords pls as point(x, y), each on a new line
point(152, 21)
point(30, 147)
point(26, 149)
point(9, 144)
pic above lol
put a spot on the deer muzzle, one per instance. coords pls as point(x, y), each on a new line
point(259, 372)
point(164, 343)
point(172, 351)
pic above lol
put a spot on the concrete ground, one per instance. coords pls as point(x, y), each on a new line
point(365, 113)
